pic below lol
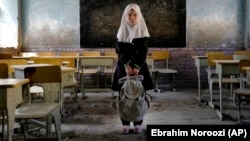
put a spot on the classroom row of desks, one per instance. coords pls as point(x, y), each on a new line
point(14, 90)
point(18, 81)
point(70, 61)
point(223, 67)
point(10, 97)
point(73, 61)
point(67, 72)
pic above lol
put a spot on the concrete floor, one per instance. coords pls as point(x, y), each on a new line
point(97, 120)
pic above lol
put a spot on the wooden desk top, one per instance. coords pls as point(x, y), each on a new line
point(22, 67)
point(68, 69)
point(199, 57)
point(10, 82)
point(99, 57)
point(226, 61)
point(105, 57)
point(25, 57)
point(246, 68)
point(74, 57)
point(20, 57)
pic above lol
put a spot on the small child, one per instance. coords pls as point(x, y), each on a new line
point(132, 49)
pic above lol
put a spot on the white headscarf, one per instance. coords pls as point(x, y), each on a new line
point(126, 33)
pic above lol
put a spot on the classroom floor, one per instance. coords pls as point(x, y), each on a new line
point(98, 121)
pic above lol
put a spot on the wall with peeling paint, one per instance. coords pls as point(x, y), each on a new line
point(55, 23)
point(214, 23)
point(50, 23)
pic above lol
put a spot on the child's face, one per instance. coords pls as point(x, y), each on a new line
point(132, 17)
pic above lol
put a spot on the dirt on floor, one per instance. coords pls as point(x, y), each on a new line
point(97, 120)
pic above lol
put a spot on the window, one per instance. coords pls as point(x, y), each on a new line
point(8, 23)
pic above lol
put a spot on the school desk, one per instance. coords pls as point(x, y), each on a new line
point(226, 67)
point(200, 61)
point(11, 91)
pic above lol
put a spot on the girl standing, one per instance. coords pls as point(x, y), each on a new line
point(132, 49)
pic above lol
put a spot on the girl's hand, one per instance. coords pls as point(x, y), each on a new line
point(136, 71)
point(128, 70)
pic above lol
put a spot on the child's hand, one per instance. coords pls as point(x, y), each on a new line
point(128, 70)
point(135, 71)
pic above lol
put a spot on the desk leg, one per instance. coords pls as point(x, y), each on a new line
point(239, 110)
point(210, 103)
point(10, 118)
point(172, 82)
point(171, 79)
point(3, 125)
point(62, 107)
point(82, 85)
point(156, 82)
point(220, 110)
point(11, 107)
point(199, 84)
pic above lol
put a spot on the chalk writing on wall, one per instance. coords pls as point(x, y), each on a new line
point(100, 20)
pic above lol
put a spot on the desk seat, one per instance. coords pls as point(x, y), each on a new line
point(89, 68)
point(10, 97)
point(165, 71)
point(242, 52)
point(71, 82)
point(168, 70)
point(51, 85)
point(89, 71)
point(34, 110)
point(98, 62)
point(241, 93)
point(241, 57)
point(163, 56)
point(110, 70)
point(223, 81)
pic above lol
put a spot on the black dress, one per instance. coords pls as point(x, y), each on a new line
point(134, 53)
